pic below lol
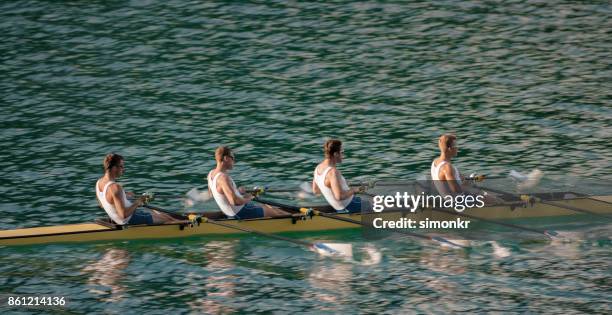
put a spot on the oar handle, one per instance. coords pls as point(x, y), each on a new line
point(172, 213)
point(168, 196)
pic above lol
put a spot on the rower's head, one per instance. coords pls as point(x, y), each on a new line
point(448, 144)
point(333, 150)
point(225, 156)
point(114, 164)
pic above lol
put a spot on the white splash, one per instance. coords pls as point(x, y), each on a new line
point(528, 181)
point(195, 196)
point(499, 251)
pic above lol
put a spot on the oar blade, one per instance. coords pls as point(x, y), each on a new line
point(454, 244)
point(195, 196)
point(325, 249)
point(500, 251)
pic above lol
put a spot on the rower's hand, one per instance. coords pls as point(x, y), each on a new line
point(129, 194)
point(359, 190)
point(242, 190)
point(146, 198)
point(142, 200)
point(248, 198)
point(477, 178)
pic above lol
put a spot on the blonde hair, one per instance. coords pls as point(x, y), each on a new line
point(221, 152)
point(446, 140)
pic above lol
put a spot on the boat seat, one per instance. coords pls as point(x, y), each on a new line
point(217, 215)
point(108, 222)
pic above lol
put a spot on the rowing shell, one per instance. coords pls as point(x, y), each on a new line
point(103, 231)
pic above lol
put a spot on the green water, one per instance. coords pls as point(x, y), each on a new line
point(524, 85)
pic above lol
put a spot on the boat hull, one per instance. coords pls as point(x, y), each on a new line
point(91, 232)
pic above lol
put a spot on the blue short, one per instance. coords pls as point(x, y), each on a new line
point(141, 217)
point(250, 211)
point(353, 207)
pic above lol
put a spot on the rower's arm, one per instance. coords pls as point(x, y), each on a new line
point(448, 175)
point(229, 192)
point(117, 195)
point(336, 188)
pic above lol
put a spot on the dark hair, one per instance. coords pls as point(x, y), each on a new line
point(332, 146)
point(111, 160)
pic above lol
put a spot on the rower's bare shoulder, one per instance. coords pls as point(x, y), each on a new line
point(115, 188)
point(436, 161)
point(224, 179)
point(447, 167)
point(319, 168)
point(334, 172)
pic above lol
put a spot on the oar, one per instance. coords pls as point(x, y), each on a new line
point(256, 190)
point(550, 234)
point(172, 213)
point(259, 190)
point(600, 200)
point(169, 196)
point(437, 239)
point(197, 197)
point(478, 178)
point(316, 247)
point(390, 182)
point(572, 208)
point(527, 198)
point(547, 233)
point(190, 197)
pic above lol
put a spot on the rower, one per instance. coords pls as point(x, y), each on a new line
point(444, 174)
point(329, 181)
point(113, 199)
point(234, 202)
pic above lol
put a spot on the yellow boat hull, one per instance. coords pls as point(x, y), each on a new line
point(90, 232)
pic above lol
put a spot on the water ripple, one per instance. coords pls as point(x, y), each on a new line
point(524, 84)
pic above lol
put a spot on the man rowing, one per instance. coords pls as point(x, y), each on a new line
point(329, 181)
point(229, 198)
point(444, 174)
point(113, 199)
point(446, 177)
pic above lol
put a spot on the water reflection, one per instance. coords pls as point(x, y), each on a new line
point(330, 280)
point(385, 76)
point(564, 248)
point(220, 283)
point(107, 273)
point(443, 263)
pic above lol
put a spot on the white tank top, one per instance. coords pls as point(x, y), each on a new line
point(110, 208)
point(327, 192)
point(227, 208)
point(435, 172)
